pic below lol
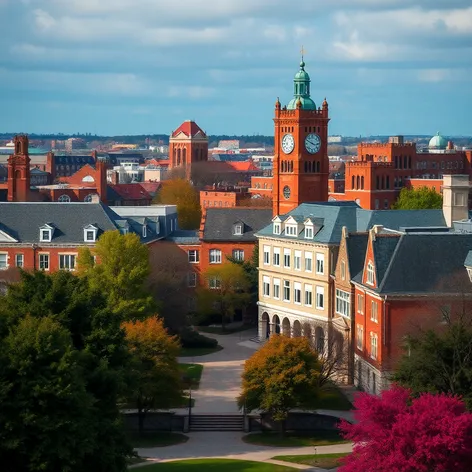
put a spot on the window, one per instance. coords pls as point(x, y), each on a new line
point(266, 255)
point(276, 293)
point(360, 337)
point(308, 261)
point(276, 228)
point(286, 290)
point(215, 256)
point(320, 263)
point(343, 270)
point(308, 295)
point(194, 256)
point(44, 261)
point(287, 258)
point(237, 229)
point(373, 346)
point(308, 232)
point(320, 298)
point(89, 235)
point(192, 279)
point(19, 260)
point(297, 260)
point(214, 283)
point(46, 235)
point(66, 261)
point(297, 293)
point(343, 303)
point(291, 230)
point(266, 286)
point(3, 260)
point(64, 199)
point(373, 311)
point(277, 256)
point(238, 254)
point(360, 303)
point(370, 273)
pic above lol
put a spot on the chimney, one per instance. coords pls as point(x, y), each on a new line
point(51, 166)
point(102, 167)
point(455, 198)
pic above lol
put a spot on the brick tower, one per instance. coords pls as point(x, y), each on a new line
point(188, 145)
point(19, 171)
point(301, 165)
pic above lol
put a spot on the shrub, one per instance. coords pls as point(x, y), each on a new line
point(192, 339)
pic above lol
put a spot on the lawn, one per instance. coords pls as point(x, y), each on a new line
point(198, 351)
point(192, 373)
point(156, 439)
point(215, 465)
point(292, 439)
point(220, 330)
point(331, 398)
point(324, 461)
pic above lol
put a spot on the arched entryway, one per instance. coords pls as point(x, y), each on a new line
point(297, 329)
point(265, 326)
point(276, 324)
point(286, 331)
point(319, 339)
point(307, 331)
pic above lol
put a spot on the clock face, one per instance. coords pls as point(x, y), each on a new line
point(288, 143)
point(312, 143)
point(287, 192)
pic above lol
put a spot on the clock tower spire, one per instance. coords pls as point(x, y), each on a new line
point(301, 165)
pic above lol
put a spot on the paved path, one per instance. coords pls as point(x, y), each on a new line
point(230, 446)
point(220, 384)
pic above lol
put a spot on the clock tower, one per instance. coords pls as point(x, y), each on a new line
point(301, 165)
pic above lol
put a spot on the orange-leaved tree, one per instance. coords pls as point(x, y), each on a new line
point(156, 381)
point(279, 377)
point(182, 193)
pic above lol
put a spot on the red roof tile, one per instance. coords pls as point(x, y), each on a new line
point(131, 191)
point(151, 187)
point(189, 128)
point(244, 166)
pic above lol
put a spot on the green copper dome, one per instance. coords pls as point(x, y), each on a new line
point(438, 142)
point(301, 90)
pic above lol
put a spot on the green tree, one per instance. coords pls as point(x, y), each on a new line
point(154, 367)
point(281, 376)
point(181, 192)
point(226, 290)
point(80, 340)
point(439, 362)
point(423, 198)
point(120, 274)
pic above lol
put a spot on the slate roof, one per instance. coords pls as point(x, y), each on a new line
point(335, 215)
point(23, 220)
point(425, 263)
point(384, 248)
point(356, 249)
point(184, 236)
point(219, 223)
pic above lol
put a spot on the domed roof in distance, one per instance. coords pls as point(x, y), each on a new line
point(438, 142)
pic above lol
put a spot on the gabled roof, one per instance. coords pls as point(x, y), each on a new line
point(356, 246)
point(384, 248)
point(245, 166)
point(189, 128)
point(133, 191)
point(218, 224)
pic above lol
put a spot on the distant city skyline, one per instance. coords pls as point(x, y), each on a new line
point(117, 67)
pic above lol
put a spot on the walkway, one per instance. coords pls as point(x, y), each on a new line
point(230, 446)
point(220, 384)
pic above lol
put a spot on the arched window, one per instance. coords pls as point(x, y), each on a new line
point(358, 183)
point(383, 182)
point(405, 162)
point(184, 156)
point(387, 182)
point(178, 157)
point(89, 197)
point(64, 198)
point(362, 182)
point(396, 162)
point(353, 185)
point(305, 164)
point(318, 166)
point(18, 174)
point(409, 162)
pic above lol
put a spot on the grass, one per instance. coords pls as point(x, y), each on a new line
point(220, 330)
point(198, 351)
point(156, 439)
point(215, 465)
point(324, 461)
point(192, 373)
point(292, 439)
point(331, 398)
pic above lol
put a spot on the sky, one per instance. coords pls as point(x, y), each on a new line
point(115, 67)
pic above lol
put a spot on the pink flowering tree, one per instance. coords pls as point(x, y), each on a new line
point(396, 432)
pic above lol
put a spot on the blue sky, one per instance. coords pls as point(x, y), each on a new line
point(143, 66)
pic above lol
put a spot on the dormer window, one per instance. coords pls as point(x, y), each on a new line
point(238, 229)
point(45, 233)
point(291, 230)
point(90, 233)
point(370, 273)
point(308, 232)
point(276, 228)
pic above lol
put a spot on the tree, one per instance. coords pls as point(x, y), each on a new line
point(181, 192)
point(63, 363)
point(279, 377)
point(423, 198)
point(227, 290)
point(120, 274)
point(431, 433)
point(154, 366)
point(439, 361)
